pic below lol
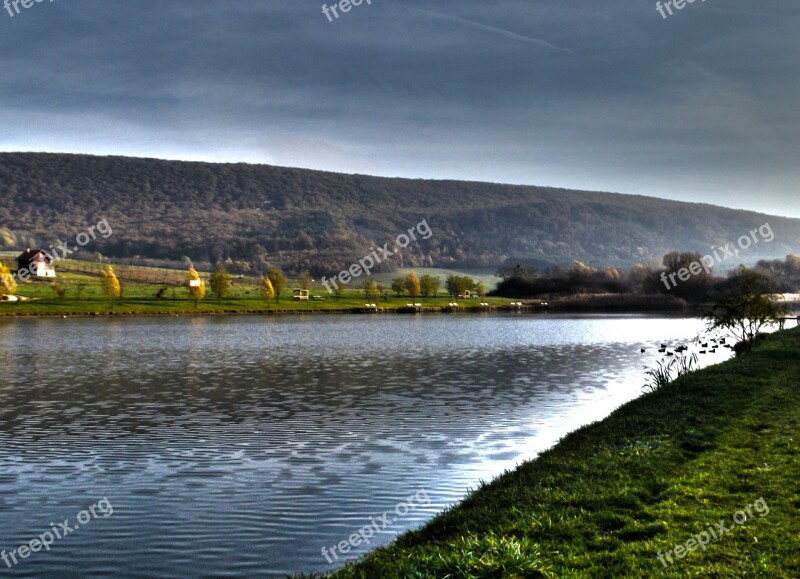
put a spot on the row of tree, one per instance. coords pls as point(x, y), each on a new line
point(270, 287)
point(274, 283)
point(428, 285)
point(700, 284)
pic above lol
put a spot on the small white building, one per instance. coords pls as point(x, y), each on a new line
point(38, 262)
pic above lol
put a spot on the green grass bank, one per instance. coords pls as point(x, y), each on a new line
point(158, 291)
point(84, 296)
point(652, 476)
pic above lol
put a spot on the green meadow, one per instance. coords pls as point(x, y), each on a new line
point(148, 290)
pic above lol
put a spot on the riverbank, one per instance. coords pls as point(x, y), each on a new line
point(82, 299)
point(648, 480)
point(143, 305)
point(77, 291)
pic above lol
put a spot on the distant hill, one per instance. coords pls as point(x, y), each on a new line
point(317, 221)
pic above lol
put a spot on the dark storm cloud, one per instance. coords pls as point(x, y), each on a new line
point(596, 95)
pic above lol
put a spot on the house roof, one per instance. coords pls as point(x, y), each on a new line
point(30, 253)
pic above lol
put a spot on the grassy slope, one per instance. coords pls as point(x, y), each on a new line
point(609, 497)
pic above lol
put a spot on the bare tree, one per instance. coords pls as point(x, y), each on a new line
point(745, 309)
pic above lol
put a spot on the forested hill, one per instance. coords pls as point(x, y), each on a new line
point(303, 219)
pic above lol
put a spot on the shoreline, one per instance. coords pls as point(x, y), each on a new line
point(601, 305)
point(433, 310)
point(49, 309)
point(626, 495)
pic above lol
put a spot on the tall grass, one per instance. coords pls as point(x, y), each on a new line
point(665, 372)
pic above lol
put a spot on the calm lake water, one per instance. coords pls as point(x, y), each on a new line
point(241, 446)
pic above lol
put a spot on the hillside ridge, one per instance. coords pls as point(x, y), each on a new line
point(302, 219)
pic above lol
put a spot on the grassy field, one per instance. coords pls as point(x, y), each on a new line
point(653, 476)
point(84, 295)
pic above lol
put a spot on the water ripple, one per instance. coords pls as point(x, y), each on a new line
point(241, 446)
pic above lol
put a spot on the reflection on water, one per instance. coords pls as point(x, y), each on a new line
point(242, 446)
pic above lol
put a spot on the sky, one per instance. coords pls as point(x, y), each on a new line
point(604, 95)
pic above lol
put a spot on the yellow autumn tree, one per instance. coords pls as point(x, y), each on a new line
point(111, 286)
point(195, 285)
point(412, 283)
point(278, 281)
point(371, 290)
point(7, 284)
point(266, 289)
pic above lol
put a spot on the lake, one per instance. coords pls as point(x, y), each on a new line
point(243, 446)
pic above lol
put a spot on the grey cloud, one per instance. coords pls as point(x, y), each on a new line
point(597, 95)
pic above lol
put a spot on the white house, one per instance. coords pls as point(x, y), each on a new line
point(38, 262)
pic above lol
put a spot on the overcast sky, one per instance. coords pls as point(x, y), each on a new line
point(601, 95)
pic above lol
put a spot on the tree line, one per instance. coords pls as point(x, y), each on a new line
point(702, 285)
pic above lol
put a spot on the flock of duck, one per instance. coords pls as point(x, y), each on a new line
point(708, 347)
